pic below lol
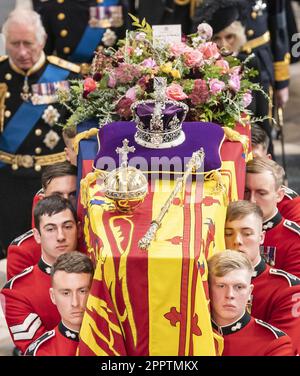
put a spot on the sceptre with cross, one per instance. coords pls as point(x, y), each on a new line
point(124, 151)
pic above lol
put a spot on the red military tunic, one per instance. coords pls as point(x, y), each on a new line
point(28, 309)
point(289, 207)
point(281, 246)
point(252, 337)
point(24, 251)
point(274, 300)
point(60, 341)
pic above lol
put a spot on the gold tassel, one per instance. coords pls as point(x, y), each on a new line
point(83, 136)
point(220, 187)
point(233, 135)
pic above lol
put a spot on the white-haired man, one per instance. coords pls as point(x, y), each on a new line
point(29, 135)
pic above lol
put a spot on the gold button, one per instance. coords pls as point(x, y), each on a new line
point(38, 132)
point(67, 50)
point(254, 15)
point(99, 1)
point(38, 150)
point(63, 33)
point(7, 113)
point(15, 166)
point(8, 76)
point(61, 16)
point(37, 168)
point(7, 95)
point(60, 1)
point(250, 32)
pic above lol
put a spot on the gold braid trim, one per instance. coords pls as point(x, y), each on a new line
point(233, 135)
point(83, 136)
point(281, 68)
point(216, 176)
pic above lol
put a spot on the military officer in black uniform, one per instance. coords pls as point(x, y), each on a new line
point(266, 30)
point(29, 135)
point(167, 12)
point(76, 28)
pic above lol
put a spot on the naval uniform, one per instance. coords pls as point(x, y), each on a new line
point(267, 38)
point(275, 299)
point(289, 207)
point(252, 337)
point(29, 135)
point(61, 341)
point(28, 309)
point(23, 252)
point(281, 247)
point(75, 28)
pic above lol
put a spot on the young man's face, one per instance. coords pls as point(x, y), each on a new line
point(260, 189)
point(229, 295)
point(57, 234)
point(69, 293)
point(245, 235)
point(64, 186)
point(22, 46)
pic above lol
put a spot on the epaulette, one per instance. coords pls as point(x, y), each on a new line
point(22, 237)
point(34, 346)
point(55, 60)
point(292, 279)
point(293, 226)
point(3, 58)
point(9, 284)
point(277, 332)
point(290, 193)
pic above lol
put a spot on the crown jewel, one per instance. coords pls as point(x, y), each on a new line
point(159, 121)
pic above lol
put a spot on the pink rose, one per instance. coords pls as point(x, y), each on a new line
point(89, 85)
point(200, 93)
point(193, 58)
point(223, 64)
point(205, 31)
point(175, 91)
point(178, 49)
point(234, 82)
point(247, 99)
point(209, 50)
point(216, 86)
point(131, 94)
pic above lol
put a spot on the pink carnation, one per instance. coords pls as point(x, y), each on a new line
point(175, 92)
point(193, 58)
point(209, 50)
point(216, 86)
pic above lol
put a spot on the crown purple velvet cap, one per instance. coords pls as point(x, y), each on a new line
point(145, 111)
point(210, 136)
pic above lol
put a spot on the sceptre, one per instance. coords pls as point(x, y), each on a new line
point(194, 164)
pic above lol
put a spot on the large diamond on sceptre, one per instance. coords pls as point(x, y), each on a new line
point(126, 186)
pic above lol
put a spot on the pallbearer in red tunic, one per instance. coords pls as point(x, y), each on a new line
point(72, 275)
point(276, 292)
point(229, 276)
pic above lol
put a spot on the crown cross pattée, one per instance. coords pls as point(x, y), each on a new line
point(124, 151)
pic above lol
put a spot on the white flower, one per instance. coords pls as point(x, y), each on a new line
point(51, 139)
point(51, 115)
point(109, 38)
point(138, 51)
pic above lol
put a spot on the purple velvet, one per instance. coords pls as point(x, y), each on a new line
point(145, 111)
point(197, 134)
